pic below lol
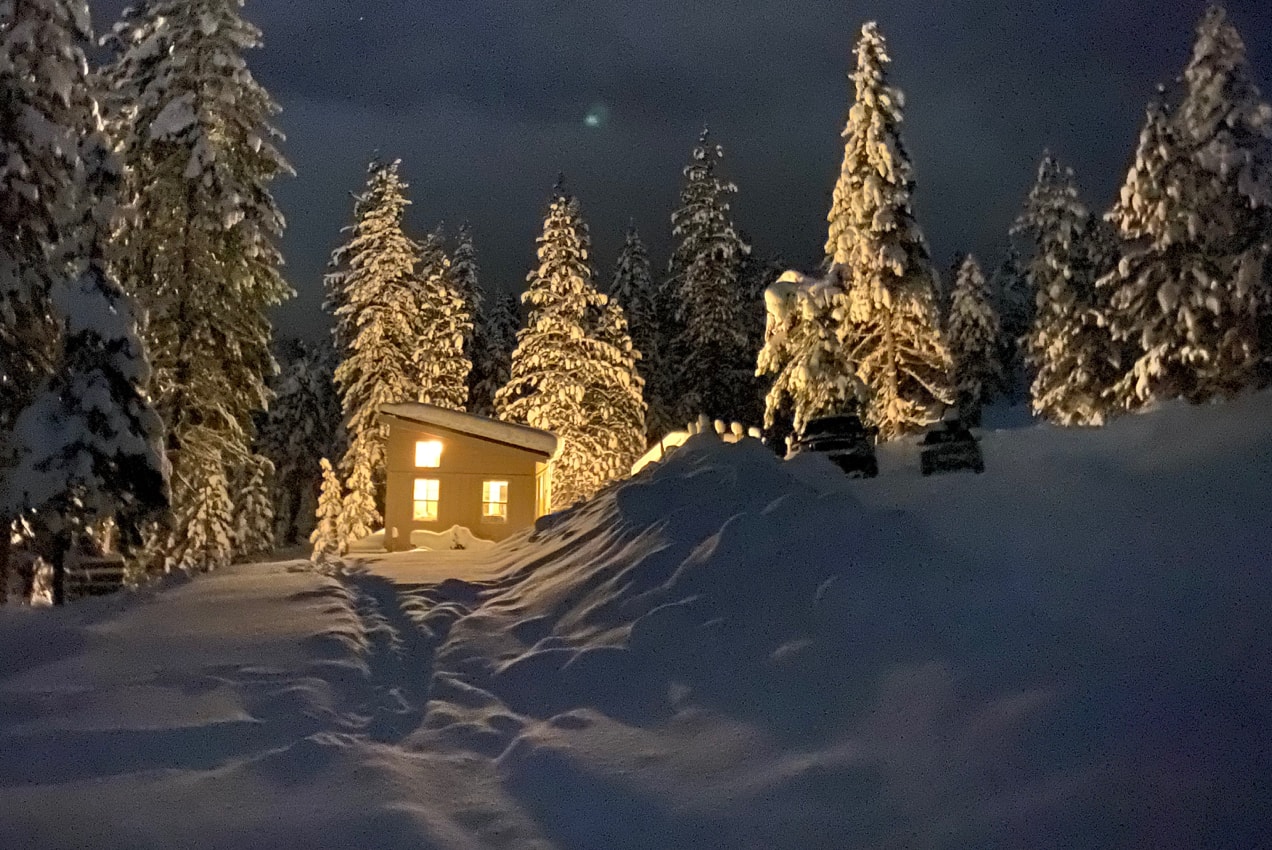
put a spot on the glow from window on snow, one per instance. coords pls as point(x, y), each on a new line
point(428, 454)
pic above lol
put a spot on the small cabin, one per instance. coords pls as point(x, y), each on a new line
point(447, 468)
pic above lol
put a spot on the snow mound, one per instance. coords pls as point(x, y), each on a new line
point(729, 650)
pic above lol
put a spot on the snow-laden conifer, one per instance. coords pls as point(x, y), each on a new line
point(374, 290)
point(887, 317)
point(616, 402)
point(254, 509)
point(1069, 347)
point(1195, 215)
point(492, 365)
point(974, 339)
point(633, 290)
point(303, 423)
point(562, 370)
point(201, 250)
point(328, 537)
point(711, 361)
point(87, 445)
point(466, 273)
point(802, 351)
point(1015, 303)
point(442, 327)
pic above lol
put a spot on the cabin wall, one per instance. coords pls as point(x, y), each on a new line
point(466, 463)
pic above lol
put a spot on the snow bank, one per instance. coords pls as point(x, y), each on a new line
point(728, 650)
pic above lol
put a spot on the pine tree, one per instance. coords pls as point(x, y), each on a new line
point(1015, 300)
point(201, 251)
point(617, 401)
point(974, 336)
point(493, 365)
point(564, 374)
point(633, 290)
point(803, 353)
point(328, 536)
point(303, 423)
point(442, 327)
point(88, 444)
point(888, 316)
point(1194, 216)
point(374, 291)
point(713, 364)
point(467, 277)
point(1073, 355)
point(254, 520)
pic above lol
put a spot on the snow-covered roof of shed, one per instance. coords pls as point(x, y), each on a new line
point(520, 436)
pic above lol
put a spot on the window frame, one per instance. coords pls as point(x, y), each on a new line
point(486, 501)
point(436, 501)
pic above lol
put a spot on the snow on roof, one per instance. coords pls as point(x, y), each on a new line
point(521, 436)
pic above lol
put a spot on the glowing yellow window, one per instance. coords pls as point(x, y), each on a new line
point(426, 492)
point(494, 501)
point(428, 454)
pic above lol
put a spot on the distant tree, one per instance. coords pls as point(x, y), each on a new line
point(974, 342)
point(1015, 303)
point(303, 423)
point(887, 316)
point(713, 360)
point(1195, 217)
point(442, 326)
point(633, 289)
point(254, 522)
point(564, 371)
point(329, 538)
point(375, 293)
point(466, 273)
point(492, 366)
point(803, 352)
point(201, 250)
point(1069, 348)
point(617, 403)
point(87, 446)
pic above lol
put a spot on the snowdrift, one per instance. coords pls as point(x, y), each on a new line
point(727, 651)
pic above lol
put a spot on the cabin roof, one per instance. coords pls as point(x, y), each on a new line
point(518, 436)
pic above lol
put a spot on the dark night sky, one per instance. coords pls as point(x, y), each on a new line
point(485, 102)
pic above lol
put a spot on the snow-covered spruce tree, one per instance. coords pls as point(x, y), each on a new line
point(443, 327)
point(633, 289)
point(374, 293)
point(328, 537)
point(616, 402)
point(467, 276)
point(1016, 305)
point(492, 366)
point(303, 423)
point(713, 363)
point(887, 318)
point(561, 368)
point(87, 447)
point(254, 509)
point(974, 334)
point(1195, 215)
point(802, 351)
point(200, 251)
point(1069, 349)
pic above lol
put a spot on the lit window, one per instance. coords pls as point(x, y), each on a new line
point(494, 501)
point(426, 490)
point(428, 454)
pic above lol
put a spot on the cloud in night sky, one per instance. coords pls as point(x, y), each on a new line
point(485, 101)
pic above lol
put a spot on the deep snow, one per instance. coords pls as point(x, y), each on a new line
point(1071, 650)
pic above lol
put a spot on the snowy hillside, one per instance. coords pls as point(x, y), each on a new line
point(728, 651)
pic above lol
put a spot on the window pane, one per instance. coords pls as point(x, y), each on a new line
point(428, 454)
point(426, 488)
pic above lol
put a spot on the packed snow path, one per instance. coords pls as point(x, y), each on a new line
point(727, 651)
